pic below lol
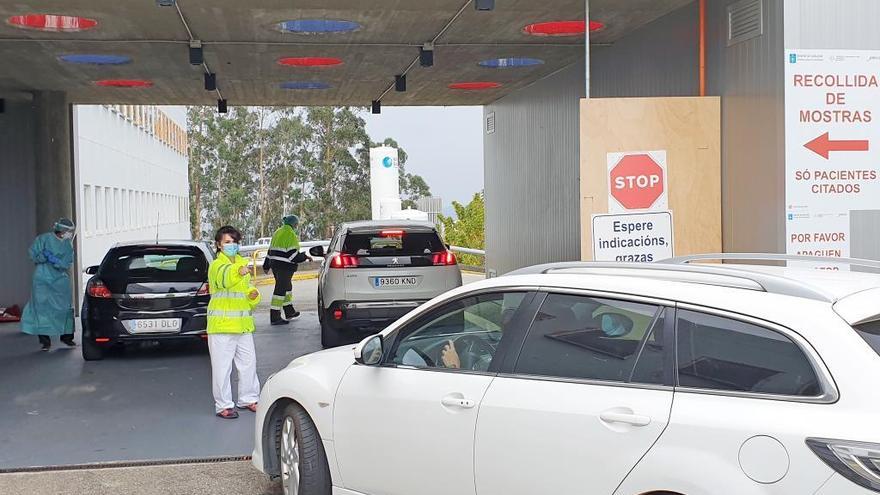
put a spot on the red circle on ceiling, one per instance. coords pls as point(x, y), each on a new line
point(125, 83)
point(309, 61)
point(476, 85)
point(51, 22)
point(562, 28)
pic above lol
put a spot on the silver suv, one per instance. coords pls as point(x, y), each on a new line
point(374, 272)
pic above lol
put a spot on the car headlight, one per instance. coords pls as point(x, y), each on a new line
point(858, 462)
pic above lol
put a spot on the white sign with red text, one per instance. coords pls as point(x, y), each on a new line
point(832, 134)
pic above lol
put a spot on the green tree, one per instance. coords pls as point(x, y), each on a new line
point(252, 166)
point(468, 228)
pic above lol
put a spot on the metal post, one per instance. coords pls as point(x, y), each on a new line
point(587, 47)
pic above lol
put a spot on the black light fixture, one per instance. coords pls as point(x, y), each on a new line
point(2, 105)
point(221, 106)
point(484, 4)
point(210, 81)
point(196, 55)
point(426, 55)
point(400, 83)
point(377, 106)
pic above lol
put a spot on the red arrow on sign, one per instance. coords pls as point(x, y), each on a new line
point(823, 145)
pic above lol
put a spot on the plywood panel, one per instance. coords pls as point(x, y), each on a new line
point(689, 129)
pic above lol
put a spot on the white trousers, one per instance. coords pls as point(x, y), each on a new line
point(227, 349)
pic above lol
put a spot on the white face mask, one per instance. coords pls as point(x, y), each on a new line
point(67, 235)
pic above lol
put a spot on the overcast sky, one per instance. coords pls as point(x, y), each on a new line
point(444, 145)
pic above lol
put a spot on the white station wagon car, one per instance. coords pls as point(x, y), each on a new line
point(680, 378)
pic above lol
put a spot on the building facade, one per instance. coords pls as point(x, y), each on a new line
point(132, 181)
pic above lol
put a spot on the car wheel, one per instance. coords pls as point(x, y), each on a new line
point(304, 468)
point(91, 351)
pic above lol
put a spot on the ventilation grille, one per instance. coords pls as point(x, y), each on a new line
point(745, 20)
point(490, 123)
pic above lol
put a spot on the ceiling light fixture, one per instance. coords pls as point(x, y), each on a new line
point(210, 81)
point(510, 62)
point(475, 85)
point(400, 83)
point(196, 53)
point(317, 26)
point(222, 107)
point(484, 4)
point(53, 23)
point(309, 61)
point(95, 59)
point(426, 55)
point(562, 28)
point(376, 107)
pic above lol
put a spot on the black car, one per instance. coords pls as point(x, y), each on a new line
point(146, 291)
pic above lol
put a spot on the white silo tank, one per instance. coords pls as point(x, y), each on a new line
point(384, 179)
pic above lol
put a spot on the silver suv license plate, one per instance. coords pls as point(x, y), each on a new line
point(380, 282)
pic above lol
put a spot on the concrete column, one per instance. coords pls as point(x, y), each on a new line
point(54, 168)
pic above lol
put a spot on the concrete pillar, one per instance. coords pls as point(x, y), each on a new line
point(54, 168)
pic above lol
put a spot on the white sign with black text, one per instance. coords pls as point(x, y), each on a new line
point(633, 237)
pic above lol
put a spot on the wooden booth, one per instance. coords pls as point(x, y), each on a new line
point(650, 177)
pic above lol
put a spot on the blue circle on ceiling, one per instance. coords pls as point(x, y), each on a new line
point(93, 59)
point(318, 26)
point(505, 63)
point(304, 85)
point(387, 162)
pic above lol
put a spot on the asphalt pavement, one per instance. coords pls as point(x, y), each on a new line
point(151, 403)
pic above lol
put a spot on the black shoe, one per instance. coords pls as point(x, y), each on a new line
point(45, 347)
point(290, 313)
point(276, 319)
point(68, 342)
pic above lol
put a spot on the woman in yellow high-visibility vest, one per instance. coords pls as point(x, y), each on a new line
point(231, 326)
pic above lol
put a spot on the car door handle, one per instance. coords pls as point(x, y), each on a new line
point(625, 418)
point(458, 401)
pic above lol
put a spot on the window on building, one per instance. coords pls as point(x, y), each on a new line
point(88, 219)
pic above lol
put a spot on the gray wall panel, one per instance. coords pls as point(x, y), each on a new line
point(864, 227)
point(532, 170)
point(17, 199)
point(660, 59)
point(749, 77)
point(832, 24)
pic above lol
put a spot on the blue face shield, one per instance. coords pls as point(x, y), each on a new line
point(613, 327)
point(231, 250)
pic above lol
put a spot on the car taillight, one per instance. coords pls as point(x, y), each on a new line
point(96, 288)
point(446, 258)
point(858, 462)
point(203, 291)
point(344, 261)
point(337, 314)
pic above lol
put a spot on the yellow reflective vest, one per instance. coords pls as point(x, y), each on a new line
point(230, 310)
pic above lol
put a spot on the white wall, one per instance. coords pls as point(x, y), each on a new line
point(130, 184)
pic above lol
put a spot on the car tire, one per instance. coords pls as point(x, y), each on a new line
point(301, 456)
point(91, 351)
point(330, 337)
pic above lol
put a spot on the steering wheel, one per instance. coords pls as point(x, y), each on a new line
point(428, 361)
point(469, 348)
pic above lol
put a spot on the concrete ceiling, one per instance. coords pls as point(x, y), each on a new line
point(242, 46)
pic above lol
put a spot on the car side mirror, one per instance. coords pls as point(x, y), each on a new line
point(369, 352)
point(317, 251)
point(92, 270)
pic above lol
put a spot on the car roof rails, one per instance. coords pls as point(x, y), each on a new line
point(696, 258)
point(718, 275)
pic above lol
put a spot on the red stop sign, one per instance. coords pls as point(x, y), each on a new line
point(636, 182)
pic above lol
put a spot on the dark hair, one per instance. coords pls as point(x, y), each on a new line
point(232, 231)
